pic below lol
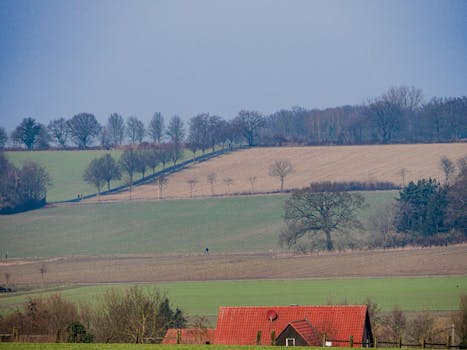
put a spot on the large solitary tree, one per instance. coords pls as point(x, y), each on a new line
point(319, 211)
point(83, 127)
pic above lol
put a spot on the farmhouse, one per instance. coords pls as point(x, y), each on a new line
point(288, 325)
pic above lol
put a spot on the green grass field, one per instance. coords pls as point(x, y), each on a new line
point(66, 170)
point(204, 298)
point(224, 224)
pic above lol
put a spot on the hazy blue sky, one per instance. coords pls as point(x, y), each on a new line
point(62, 57)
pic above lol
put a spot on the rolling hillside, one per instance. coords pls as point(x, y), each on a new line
point(312, 164)
point(231, 224)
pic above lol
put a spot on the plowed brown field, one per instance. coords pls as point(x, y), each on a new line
point(436, 261)
point(311, 164)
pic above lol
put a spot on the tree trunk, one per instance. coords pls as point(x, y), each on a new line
point(329, 245)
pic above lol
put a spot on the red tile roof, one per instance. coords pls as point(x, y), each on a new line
point(305, 329)
point(189, 336)
point(240, 325)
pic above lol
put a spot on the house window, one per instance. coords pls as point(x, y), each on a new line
point(289, 341)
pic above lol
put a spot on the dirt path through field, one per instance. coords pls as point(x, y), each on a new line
point(312, 164)
point(157, 268)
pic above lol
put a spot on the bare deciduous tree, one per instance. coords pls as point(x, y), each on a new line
point(322, 211)
point(248, 123)
point(421, 328)
point(192, 183)
point(129, 163)
point(228, 181)
point(212, 178)
point(135, 130)
point(381, 223)
point(7, 278)
point(252, 180)
point(136, 315)
point(403, 173)
point(448, 168)
point(460, 321)
point(59, 131)
point(156, 127)
point(83, 127)
point(395, 323)
point(43, 270)
point(161, 182)
point(116, 129)
point(281, 168)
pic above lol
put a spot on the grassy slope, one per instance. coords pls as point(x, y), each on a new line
point(223, 224)
point(204, 298)
point(66, 170)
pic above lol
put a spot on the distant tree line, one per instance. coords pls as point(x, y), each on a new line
point(425, 213)
point(136, 315)
point(399, 115)
point(22, 188)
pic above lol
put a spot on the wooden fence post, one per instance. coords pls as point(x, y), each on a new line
point(179, 336)
point(448, 341)
point(351, 341)
point(375, 343)
point(324, 340)
point(258, 338)
point(423, 343)
point(400, 342)
point(273, 337)
point(16, 334)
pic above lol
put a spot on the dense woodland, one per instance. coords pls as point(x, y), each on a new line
point(400, 115)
